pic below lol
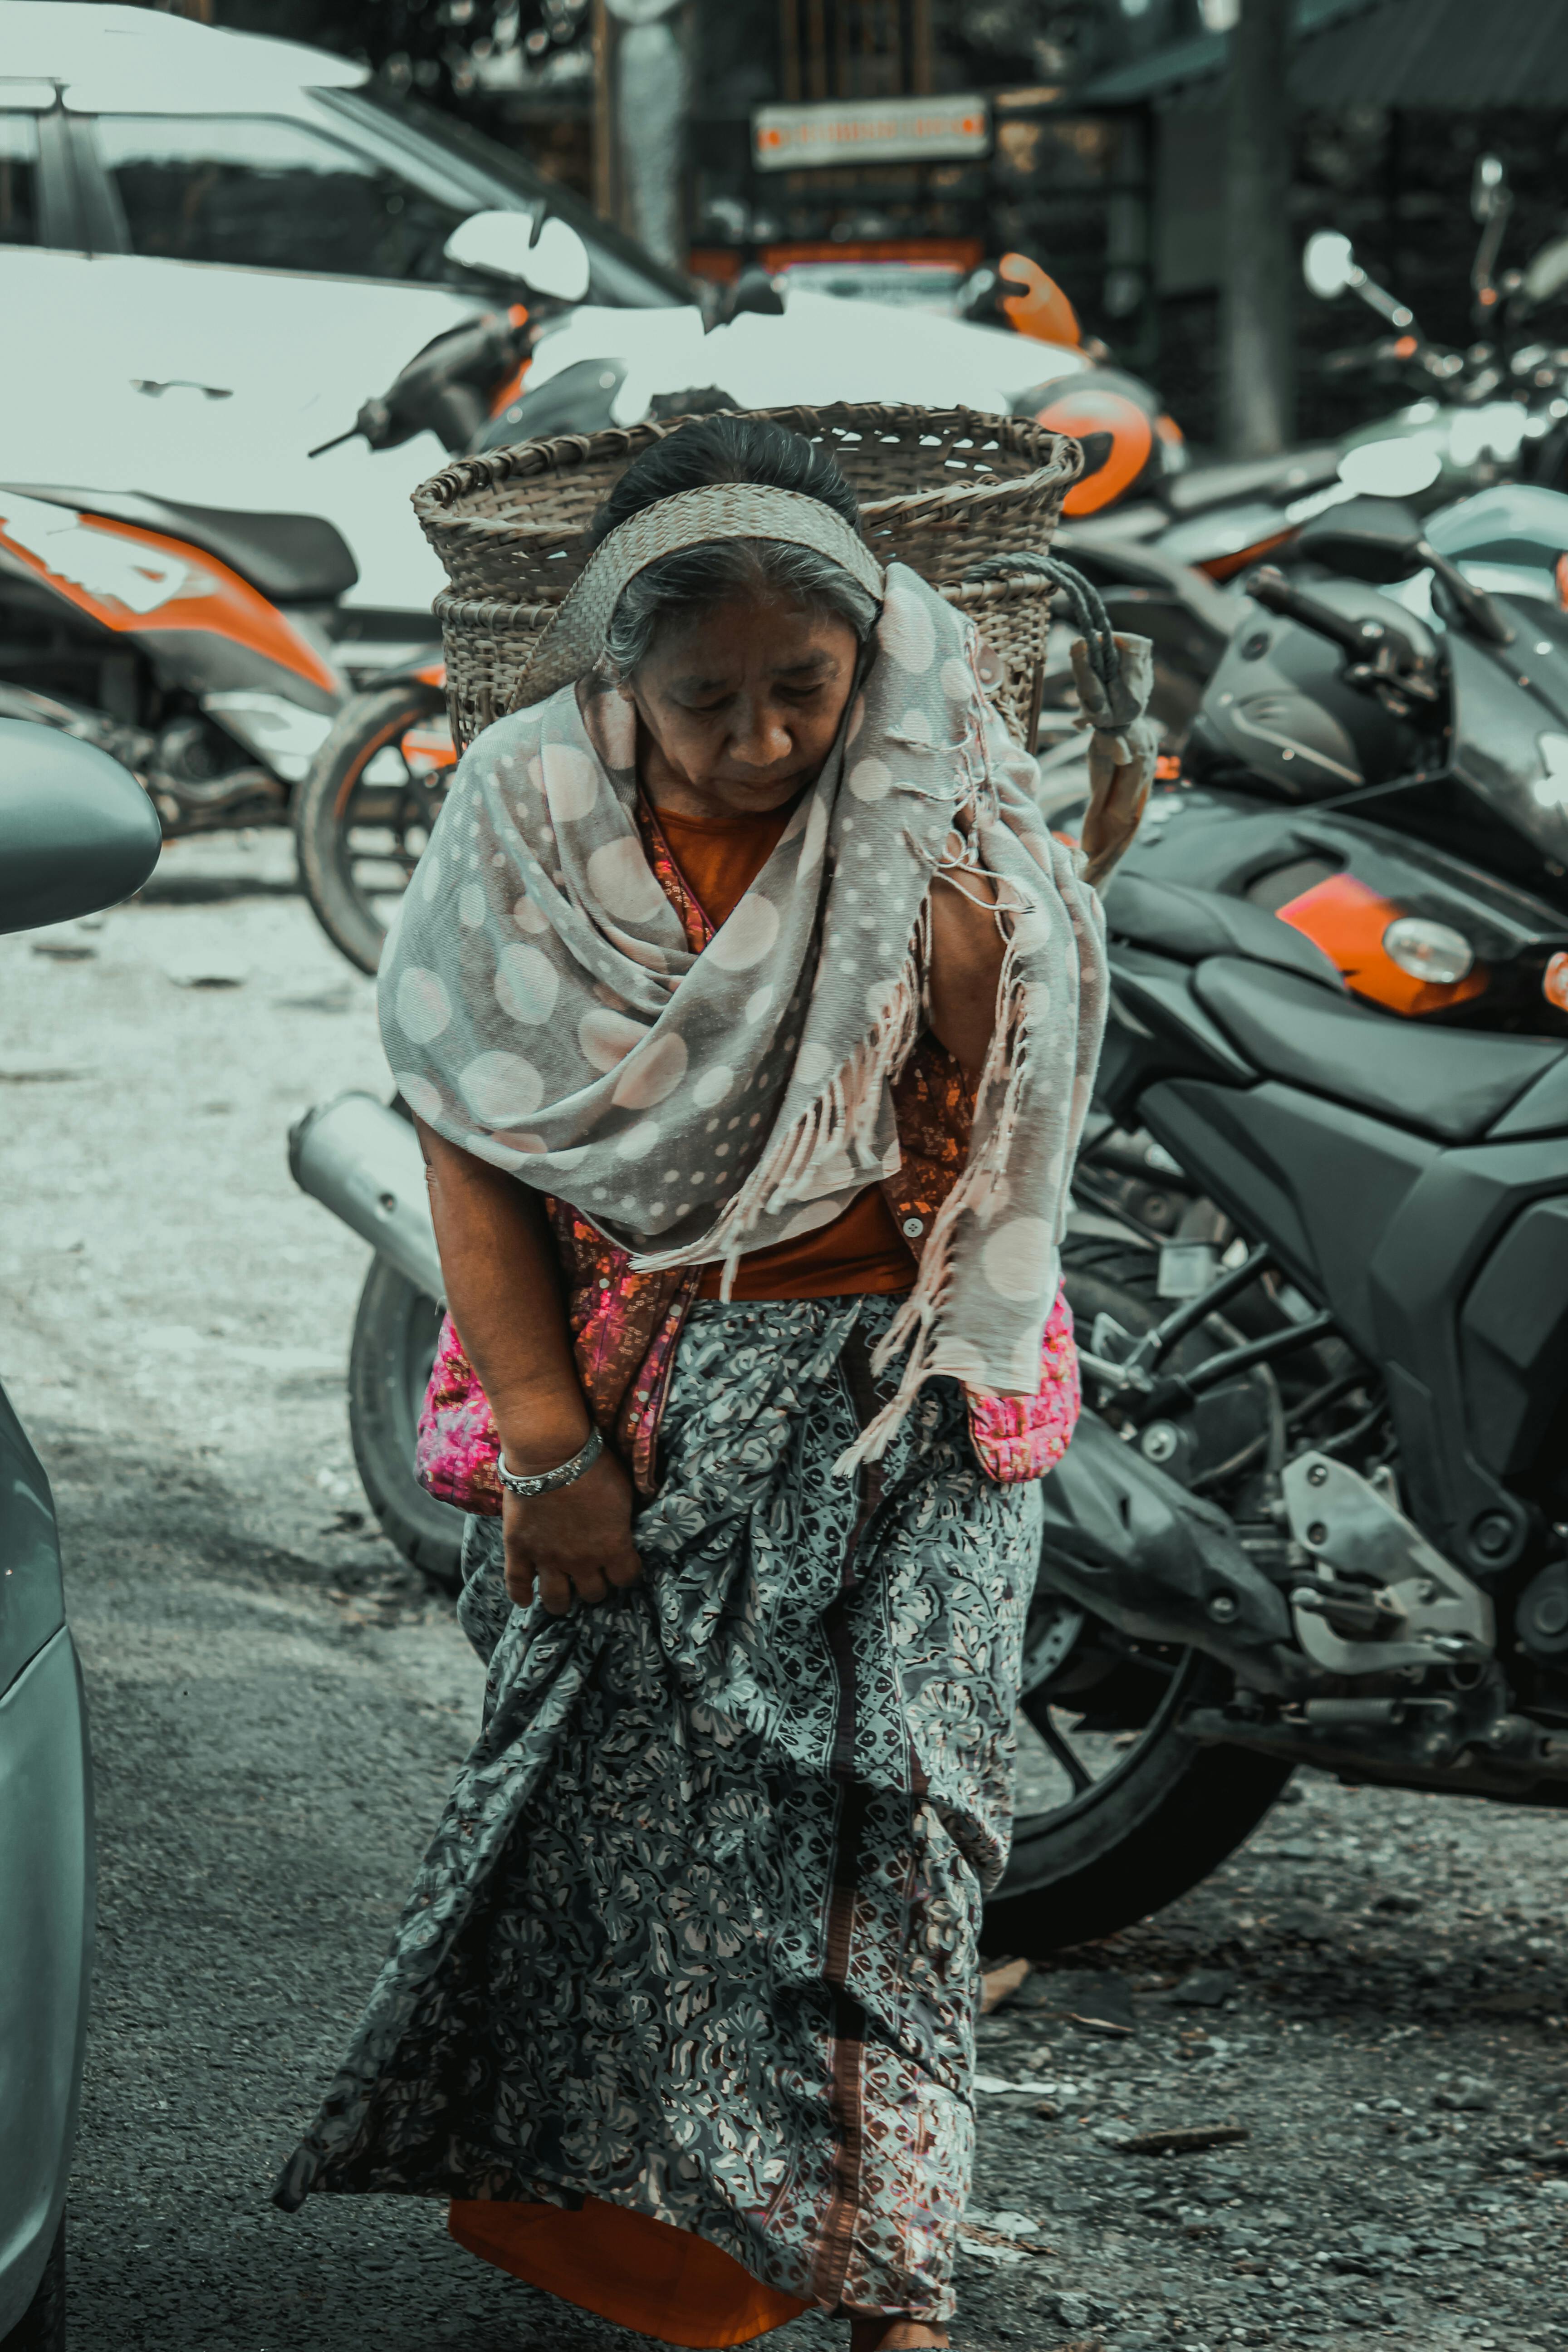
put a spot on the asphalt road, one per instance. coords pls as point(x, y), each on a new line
point(276, 1705)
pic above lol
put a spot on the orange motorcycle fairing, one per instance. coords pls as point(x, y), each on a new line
point(139, 583)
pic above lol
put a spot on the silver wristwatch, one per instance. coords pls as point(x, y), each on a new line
point(547, 1481)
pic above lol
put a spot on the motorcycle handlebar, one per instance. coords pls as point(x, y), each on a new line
point(1360, 638)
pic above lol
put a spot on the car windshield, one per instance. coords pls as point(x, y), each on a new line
point(624, 275)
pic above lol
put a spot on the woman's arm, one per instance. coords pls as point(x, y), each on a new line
point(966, 952)
point(503, 1287)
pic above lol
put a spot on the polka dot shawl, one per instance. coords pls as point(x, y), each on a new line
point(540, 1006)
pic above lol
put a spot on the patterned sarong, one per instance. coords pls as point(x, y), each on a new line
point(697, 1934)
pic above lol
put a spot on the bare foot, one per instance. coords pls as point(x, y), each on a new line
point(881, 2335)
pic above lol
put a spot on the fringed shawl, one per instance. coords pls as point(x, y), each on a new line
point(541, 1008)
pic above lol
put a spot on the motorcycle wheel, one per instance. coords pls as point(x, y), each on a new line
point(363, 814)
point(1146, 1812)
point(390, 1358)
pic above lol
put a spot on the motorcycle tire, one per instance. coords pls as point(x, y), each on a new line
point(367, 725)
point(390, 1357)
point(1172, 1809)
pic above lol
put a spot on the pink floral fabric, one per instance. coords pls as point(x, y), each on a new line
point(1017, 1441)
point(457, 1447)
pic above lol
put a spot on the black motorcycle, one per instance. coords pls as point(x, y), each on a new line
point(1320, 1267)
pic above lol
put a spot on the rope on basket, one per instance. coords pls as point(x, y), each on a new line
point(1114, 676)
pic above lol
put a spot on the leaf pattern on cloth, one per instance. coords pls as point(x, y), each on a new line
point(697, 1931)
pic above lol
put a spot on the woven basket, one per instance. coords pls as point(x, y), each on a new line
point(939, 489)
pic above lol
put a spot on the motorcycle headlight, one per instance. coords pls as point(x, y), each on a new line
point(1434, 952)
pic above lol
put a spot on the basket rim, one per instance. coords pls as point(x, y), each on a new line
point(452, 602)
point(564, 454)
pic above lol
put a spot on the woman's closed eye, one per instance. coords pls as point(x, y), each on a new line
point(794, 697)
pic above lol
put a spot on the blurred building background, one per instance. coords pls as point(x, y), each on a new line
point(1088, 134)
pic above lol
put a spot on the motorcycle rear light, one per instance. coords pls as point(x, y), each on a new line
point(1431, 951)
point(1554, 981)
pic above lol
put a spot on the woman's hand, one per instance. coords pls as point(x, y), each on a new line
point(578, 1539)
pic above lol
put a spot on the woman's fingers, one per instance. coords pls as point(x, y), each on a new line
point(554, 1589)
point(518, 1577)
point(624, 1569)
point(574, 1541)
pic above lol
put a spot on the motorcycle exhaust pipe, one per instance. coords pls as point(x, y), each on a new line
point(360, 1159)
point(1132, 1546)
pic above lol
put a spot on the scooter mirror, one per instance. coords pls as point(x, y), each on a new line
point(1376, 539)
point(554, 262)
point(1547, 274)
point(76, 831)
point(1401, 467)
point(1329, 265)
point(1487, 186)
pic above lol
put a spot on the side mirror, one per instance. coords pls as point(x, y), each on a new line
point(1548, 273)
point(754, 291)
point(1489, 188)
point(1376, 539)
point(547, 257)
point(76, 831)
point(1329, 265)
point(1401, 467)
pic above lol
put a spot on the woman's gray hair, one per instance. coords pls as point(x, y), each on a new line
point(695, 578)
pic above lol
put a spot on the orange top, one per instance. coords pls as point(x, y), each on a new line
point(862, 1250)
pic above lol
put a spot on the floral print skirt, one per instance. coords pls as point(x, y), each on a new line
point(696, 1933)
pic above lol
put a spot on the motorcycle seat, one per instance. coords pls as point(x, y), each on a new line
point(1288, 476)
point(1448, 1083)
point(292, 559)
point(1193, 925)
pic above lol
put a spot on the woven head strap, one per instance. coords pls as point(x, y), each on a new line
point(575, 637)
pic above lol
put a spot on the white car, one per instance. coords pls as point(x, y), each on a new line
point(214, 245)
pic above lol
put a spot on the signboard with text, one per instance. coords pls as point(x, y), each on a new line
point(869, 131)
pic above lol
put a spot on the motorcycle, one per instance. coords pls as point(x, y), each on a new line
point(1313, 1515)
point(1495, 412)
point(209, 650)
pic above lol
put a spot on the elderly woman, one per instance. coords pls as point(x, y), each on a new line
point(748, 1012)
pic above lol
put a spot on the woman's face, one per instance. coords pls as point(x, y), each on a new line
point(742, 703)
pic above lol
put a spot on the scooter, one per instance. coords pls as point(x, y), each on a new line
point(209, 650)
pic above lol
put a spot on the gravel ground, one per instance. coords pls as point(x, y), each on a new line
point(1373, 1992)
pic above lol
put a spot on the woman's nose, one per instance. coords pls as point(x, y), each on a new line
point(761, 739)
